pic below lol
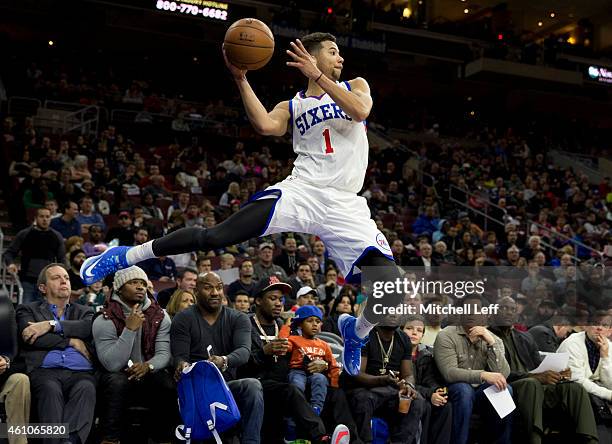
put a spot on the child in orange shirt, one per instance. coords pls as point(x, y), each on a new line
point(307, 349)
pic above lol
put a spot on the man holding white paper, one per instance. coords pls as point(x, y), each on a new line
point(471, 359)
point(535, 391)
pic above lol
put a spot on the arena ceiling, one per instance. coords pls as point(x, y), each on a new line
point(540, 17)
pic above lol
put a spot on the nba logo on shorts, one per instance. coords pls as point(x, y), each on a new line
point(382, 242)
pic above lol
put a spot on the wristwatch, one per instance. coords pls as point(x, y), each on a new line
point(53, 324)
point(225, 364)
point(151, 367)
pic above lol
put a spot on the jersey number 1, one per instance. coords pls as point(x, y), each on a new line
point(328, 146)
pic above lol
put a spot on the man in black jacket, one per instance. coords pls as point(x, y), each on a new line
point(549, 335)
point(533, 392)
point(269, 362)
point(56, 339)
point(208, 330)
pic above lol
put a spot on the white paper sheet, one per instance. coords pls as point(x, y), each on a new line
point(556, 362)
point(502, 401)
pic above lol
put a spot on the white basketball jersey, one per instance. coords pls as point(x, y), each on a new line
point(331, 148)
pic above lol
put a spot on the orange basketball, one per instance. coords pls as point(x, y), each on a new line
point(249, 44)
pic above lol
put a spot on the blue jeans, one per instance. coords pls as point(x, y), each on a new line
point(248, 394)
point(318, 385)
point(465, 399)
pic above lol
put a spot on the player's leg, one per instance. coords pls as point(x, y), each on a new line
point(247, 223)
point(355, 331)
point(354, 241)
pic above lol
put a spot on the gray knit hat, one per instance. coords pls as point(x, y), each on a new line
point(127, 274)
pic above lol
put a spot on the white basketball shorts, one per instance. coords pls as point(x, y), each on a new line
point(340, 218)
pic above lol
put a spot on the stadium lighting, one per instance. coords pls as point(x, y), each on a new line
point(51, 43)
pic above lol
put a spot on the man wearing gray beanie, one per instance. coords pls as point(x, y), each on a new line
point(132, 339)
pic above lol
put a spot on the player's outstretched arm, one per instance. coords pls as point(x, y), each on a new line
point(357, 102)
point(273, 123)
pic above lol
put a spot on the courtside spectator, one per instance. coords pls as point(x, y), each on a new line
point(433, 320)
point(386, 372)
point(37, 246)
point(209, 330)
point(186, 281)
point(265, 267)
point(437, 422)
point(132, 339)
point(307, 351)
point(470, 359)
point(56, 347)
point(549, 335)
point(269, 363)
point(68, 225)
point(590, 360)
point(548, 390)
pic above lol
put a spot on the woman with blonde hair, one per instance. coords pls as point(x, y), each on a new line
point(179, 301)
point(233, 192)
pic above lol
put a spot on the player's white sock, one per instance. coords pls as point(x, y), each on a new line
point(363, 327)
point(140, 253)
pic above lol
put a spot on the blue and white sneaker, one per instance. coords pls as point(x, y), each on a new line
point(96, 268)
point(351, 356)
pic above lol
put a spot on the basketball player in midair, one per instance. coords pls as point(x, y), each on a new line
point(319, 197)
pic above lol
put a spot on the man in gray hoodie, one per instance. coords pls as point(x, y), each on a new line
point(132, 339)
